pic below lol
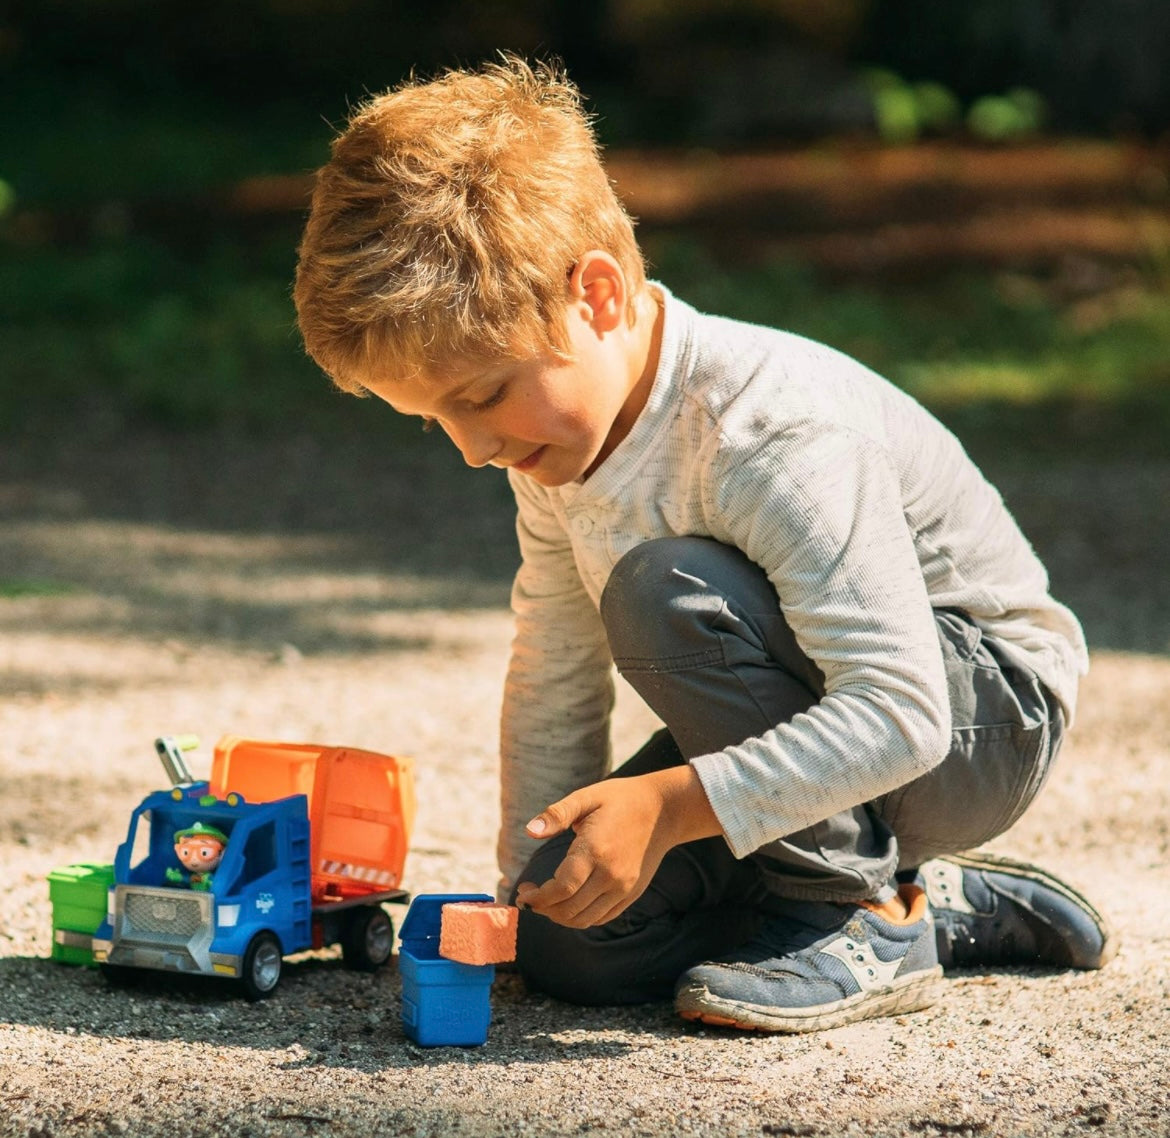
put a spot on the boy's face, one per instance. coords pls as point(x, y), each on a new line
point(552, 421)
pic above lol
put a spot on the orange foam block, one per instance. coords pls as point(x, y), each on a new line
point(478, 932)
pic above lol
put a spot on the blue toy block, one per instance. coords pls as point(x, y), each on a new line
point(444, 1003)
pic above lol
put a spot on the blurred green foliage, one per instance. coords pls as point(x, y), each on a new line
point(1004, 358)
point(1098, 67)
point(205, 336)
point(15, 587)
point(999, 118)
point(650, 66)
point(109, 104)
point(107, 98)
point(905, 112)
point(135, 327)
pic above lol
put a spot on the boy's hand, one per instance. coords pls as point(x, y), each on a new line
point(624, 828)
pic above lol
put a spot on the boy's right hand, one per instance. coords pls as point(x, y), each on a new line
point(624, 828)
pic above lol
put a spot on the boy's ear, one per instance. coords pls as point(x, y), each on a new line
point(598, 282)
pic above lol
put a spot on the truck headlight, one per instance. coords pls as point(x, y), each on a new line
point(226, 916)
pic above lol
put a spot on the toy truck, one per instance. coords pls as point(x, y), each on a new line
point(309, 842)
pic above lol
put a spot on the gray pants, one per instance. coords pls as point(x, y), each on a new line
point(696, 630)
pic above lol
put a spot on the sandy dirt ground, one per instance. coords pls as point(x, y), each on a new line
point(358, 595)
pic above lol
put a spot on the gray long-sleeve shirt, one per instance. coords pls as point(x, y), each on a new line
point(864, 512)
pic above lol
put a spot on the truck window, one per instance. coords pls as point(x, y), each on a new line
point(140, 850)
point(259, 853)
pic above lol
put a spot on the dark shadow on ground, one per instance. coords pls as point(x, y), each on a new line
point(258, 540)
point(243, 541)
point(312, 1013)
point(1089, 484)
point(399, 496)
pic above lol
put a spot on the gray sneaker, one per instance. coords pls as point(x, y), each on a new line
point(823, 966)
point(995, 911)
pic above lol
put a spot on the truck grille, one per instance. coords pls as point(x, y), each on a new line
point(152, 915)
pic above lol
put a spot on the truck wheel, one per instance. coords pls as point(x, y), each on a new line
point(262, 965)
point(369, 939)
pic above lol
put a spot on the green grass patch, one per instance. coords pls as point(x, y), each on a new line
point(12, 588)
point(187, 339)
point(198, 333)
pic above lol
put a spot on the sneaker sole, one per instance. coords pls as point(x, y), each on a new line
point(997, 863)
point(912, 994)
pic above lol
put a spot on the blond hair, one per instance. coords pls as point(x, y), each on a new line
point(446, 223)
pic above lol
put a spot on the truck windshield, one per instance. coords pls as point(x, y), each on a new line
point(140, 840)
point(258, 860)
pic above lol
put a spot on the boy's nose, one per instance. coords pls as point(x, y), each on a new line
point(477, 446)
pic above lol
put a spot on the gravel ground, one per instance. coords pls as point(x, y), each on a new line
point(219, 585)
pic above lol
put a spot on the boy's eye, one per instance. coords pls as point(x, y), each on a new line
point(492, 400)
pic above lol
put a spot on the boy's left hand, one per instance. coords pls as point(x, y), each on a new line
point(624, 828)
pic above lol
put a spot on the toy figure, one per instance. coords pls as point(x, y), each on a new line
point(200, 848)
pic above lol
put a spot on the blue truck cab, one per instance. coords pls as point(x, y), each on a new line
point(256, 908)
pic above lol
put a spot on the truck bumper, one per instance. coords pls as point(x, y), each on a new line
point(167, 930)
point(164, 960)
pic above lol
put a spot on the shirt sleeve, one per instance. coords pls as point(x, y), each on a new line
point(819, 507)
point(558, 694)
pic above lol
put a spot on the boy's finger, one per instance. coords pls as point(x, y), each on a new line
point(573, 872)
point(558, 817)
point(576, 911)
point(593, 904)
point(599, 911)
point(564, 895)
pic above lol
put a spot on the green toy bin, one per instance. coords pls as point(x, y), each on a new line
point(78, 896)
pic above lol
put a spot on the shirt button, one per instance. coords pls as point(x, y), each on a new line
point(583, 524)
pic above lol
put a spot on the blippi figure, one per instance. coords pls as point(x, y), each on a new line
point(200, 848)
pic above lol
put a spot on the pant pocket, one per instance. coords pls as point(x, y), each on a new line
point(1038, 745)
point(989, 778)
point(1004, 731)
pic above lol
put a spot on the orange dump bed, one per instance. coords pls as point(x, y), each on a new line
point(361, 806)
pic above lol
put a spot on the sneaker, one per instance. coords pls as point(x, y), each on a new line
point(991, 910)
point(823, 966)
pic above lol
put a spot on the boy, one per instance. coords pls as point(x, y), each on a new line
point(850, 643)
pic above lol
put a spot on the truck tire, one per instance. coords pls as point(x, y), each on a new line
point(369, 939)
point(262, 967)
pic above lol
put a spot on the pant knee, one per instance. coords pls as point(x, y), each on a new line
point(570, 964)
point(645, 573)
point(658, 593)
point(579, 966)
